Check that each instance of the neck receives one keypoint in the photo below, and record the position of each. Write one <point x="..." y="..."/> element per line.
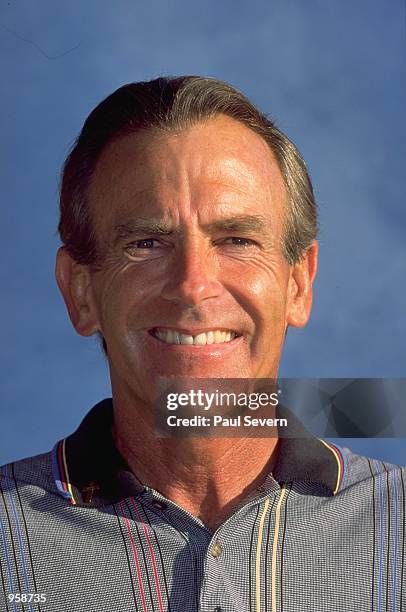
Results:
<point x="206" y="476"/>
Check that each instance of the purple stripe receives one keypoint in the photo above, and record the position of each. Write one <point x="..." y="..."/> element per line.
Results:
<point x="20" y="540"/>
<point x="379" y="479"/>
<point x="10" y="576"/>
<point x="395" y="548"/>
<point x="57" y="474"/>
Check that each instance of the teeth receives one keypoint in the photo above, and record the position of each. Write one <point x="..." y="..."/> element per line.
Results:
<point x="212" y="337"/>
<point x="218" y="337"/>
<point x="200" y="339"/>
<point x="184" y="339"/>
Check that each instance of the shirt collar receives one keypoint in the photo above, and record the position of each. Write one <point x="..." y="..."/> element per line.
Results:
<point x="88" y="469"/>
<point x="302" y="457"/>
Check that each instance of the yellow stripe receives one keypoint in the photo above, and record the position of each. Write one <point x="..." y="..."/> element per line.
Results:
<point x="330" y="448"/>
<point x="258" y="557"/>
<point x="65" y="465"/>
<point x="275" y="547"/>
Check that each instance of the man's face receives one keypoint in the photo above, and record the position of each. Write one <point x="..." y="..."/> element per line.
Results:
<point x="189" y="227"/>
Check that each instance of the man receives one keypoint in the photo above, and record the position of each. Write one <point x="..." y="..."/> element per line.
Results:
<point x="188" y="226"/>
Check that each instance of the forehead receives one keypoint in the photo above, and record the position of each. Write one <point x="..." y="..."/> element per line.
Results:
<point x="216" y="163"/>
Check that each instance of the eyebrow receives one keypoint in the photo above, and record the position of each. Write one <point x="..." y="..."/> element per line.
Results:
<point x="158" y="227"/>
<point x="241" y="223"/>
<point x="142" y="226"/>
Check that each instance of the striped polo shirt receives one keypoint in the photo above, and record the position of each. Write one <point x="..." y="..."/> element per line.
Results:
<point x="80" y="533"/>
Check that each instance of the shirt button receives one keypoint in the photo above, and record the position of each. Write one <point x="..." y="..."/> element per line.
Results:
<point x="158" y="504"/>
<point x="216" y="549"/>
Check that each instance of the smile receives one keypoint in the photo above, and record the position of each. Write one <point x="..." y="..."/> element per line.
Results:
<point x="173" y="336"/>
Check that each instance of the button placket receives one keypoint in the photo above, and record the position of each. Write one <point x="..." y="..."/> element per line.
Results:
<point x="216" y="549"/>
<point x="158" y="505"/>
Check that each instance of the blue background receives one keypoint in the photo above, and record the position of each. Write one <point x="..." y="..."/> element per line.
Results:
<point x="332" y="75"/>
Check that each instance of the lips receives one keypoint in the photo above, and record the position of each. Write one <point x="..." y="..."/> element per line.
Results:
<point x="210" y="336"/>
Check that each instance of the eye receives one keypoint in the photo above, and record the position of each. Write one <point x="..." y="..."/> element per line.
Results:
<point x="241" y="242"/>
<point x="145" y="248"/>
<point x="145" y="243"/>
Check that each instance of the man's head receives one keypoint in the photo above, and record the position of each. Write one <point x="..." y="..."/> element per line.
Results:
<point x="185" y="210"/>
<point x="168" y="105"/>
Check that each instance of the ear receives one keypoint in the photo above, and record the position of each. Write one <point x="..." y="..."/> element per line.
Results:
<point x="300" y="293"/>
<point x="74" y="282"/>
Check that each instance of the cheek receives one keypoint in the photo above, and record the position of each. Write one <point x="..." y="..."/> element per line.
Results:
<point x="122" y="295"/>
<point x="262" y="290"/>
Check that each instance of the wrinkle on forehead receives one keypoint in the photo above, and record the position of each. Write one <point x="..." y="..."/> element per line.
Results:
<point x="220" y="157"/>
<point x="227" y="152"/>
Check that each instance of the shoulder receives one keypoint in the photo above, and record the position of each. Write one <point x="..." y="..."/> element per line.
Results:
<point x="366" y="472"/>
<point x="31" y="474"/>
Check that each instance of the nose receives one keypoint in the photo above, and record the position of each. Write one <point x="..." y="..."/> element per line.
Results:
<point x="193" y="277"/>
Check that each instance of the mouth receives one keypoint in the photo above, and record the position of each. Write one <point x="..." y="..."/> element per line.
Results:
<point x="202" y="338"/>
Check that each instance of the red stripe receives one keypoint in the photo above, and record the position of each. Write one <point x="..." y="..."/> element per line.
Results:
<point x="341" y="460"/>
<point x="61" y="467"/>
<point x="137" y="565"/>
<point x="161" y="608"/>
